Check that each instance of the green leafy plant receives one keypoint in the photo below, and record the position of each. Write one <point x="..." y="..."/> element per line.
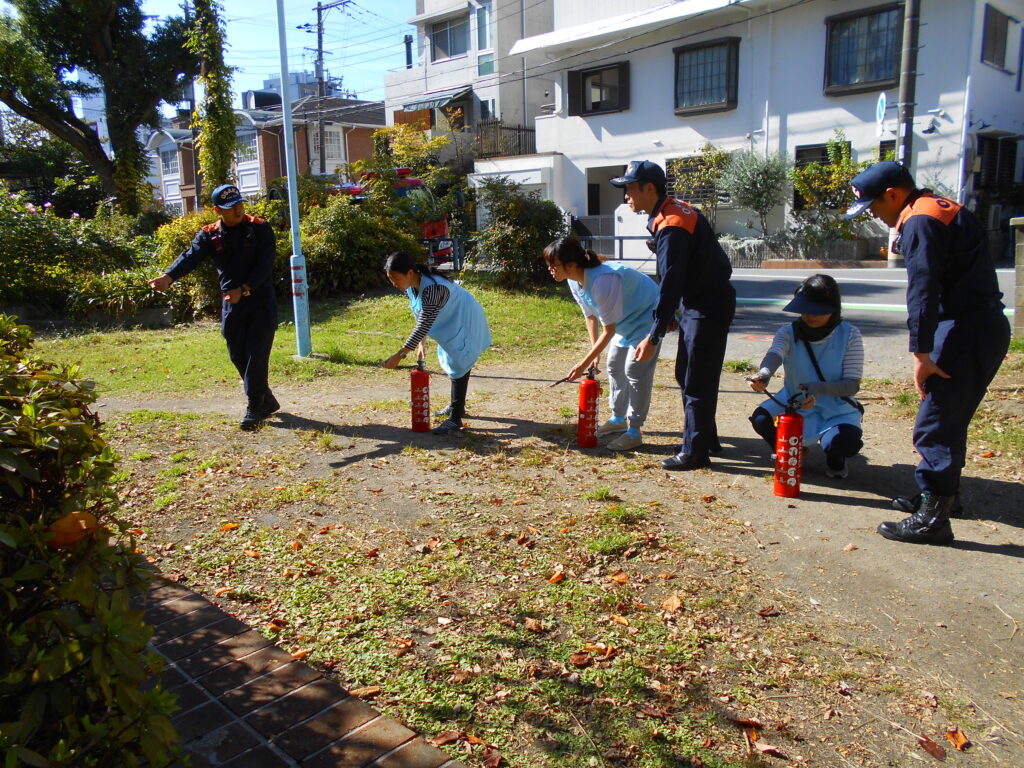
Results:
<point x="757" y="183"/>
<point x="699" y="179"/>
<point x="520" y="224"/>
<point x="825" y="190"/>
<point x="72" y="649"/>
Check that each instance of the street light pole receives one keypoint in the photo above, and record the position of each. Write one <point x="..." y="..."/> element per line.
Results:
<point x="908" y="81"/>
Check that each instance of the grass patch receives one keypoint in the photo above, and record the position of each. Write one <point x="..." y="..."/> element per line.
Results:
<point x="738" y="366"/>
<point x="141" y="456"/>
<point x="624" y="515"/>
<point x="601" y="493"/>
<point x="610" y="544"/>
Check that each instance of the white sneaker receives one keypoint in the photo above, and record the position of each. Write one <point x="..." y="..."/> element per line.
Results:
<point x="625" y="443"/>
<point x="611" y="427"/>
<point x="837" y="474"/>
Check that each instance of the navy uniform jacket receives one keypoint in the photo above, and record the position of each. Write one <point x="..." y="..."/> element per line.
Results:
<point x="694" y="269"/>
<point x="950" y="274"/>
<point x="243" y="254"/>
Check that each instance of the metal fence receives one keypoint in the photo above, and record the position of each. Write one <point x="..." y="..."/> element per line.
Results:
<point x="495" y="139"/>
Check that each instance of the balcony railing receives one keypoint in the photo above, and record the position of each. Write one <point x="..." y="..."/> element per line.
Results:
<point x="494" y="139"/>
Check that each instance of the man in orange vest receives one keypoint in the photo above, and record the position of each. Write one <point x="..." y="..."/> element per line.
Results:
<point x="958" y="335"/>
<point x="695" y="276"/>
<point x="243" y="250"/>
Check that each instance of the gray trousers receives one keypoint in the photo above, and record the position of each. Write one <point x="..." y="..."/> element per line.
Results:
<point x="630" y="384"/>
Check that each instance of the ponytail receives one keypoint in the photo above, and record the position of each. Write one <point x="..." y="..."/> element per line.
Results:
<point x="567" y="250"/>
<point x="400" y="261"/>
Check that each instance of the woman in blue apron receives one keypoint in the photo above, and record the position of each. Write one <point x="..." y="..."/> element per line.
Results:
<point x="448" y="314"/>
<point x="621" y="300"/>
<point x="824" y="357"/>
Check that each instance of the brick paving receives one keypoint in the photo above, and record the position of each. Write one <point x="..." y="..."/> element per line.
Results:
<point x="245" y="703"/>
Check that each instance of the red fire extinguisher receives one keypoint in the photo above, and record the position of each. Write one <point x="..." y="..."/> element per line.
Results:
<point x="419" y="381"/>
<point x="586" y="428"/>
<point x="789" y="450"/>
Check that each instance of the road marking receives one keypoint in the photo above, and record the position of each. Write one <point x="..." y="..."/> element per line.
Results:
<point x="846" y="305"/>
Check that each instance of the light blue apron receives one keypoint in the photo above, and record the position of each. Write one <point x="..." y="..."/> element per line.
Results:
<point x="639" y="298"/>
<point x="827" y="411"/>
<point x="460" y="329"/>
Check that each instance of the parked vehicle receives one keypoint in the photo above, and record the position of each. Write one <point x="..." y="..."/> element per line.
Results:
<point x="436" y="234"/>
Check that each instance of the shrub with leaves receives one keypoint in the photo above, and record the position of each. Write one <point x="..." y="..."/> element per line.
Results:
<point x="72" y="649"/>
<point x="520" y="224"/>
<point x="825" y="189"/>
<point x="699" y="179"/>
<point x="345" y="242"/>
<point x="756" y="183"/>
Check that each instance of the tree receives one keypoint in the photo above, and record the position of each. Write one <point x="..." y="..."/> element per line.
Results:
<point x="215" y="118"/>
<point x="49" y="40"/>
<point x="698" y="179"/>
<point x="757" y="183"/>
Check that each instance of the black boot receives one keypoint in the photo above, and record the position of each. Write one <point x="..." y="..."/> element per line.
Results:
<point x="268" y="405"/>
<point x="929" y="525"/>
<point x="253" y="415"/>
<point x="910" y="505"/>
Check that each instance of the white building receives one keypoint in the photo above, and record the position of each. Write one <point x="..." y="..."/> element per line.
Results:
<point x="646" y="79"/>
<point x="462" y="62"/>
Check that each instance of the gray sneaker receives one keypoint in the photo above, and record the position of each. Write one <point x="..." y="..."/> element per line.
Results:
<point x="611" y="427"/>
<point x="625" y="442"/>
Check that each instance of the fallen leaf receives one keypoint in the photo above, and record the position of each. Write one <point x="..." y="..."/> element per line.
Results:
<point x="708" y="499"/>
<point x="492" y="758"/>
<point x="325" y="529"/>
<point x="933" y="749"/>
<point x="223" y="591"/>
<point x="444" y="621"/>
<point x="474" y="740"/>
<point x="768" y="749"/>
<point x="446" y="493"/>
<point x="672" y="603"/>
<point x="375" y="490"/>
<point x="296" y="545"/>
<point x="300" y="654"/>
<point x="581" y="659"/>
<point x="850" y="548"/>
<point x="372" y="553"/>
<point x="666" y="576"/>
<point x="278" y="624"/>
<point x="533" y="625"/>
<point x="445" y="738"/>
<point x="251" y="553"/>
<point x="366" y="692"/>
<point x="230" y="526"/>
<point x="987" y="455"/>
<point x="518" y="502"/>
<point x="957" y="738"/>
<point x="619" y="619"/>
<point x="844" y="689"/>
<point x="533" y="530"/>
<point x="620" y="576"/>
<point x="497" y="502"/>
<point x="768" y="612"/>
<point x="556" y="577"/>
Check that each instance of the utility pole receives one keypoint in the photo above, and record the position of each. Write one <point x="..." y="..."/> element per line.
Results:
<point x="321" y="90"/>
<point x="908" y="81"/>
<point x="197" y="183"/>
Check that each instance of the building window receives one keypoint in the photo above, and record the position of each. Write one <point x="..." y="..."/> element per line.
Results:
<point x="862" y="51"/>
<point x="449" y="38"/>
<point x="887" y="150"/>
<point x="487" y="111"/>
<point x="483" y="27"/>
<point x="706" y="76"/>
<point x="596" y="91"/>
<point x="332" y="142"/>
<point x="805" y="155"/>
<point x="175" y="208"/>
<point x="994" y="37"/>
<point x="245" y="151"/>
<point x="998" y="163"/>
<point x="485" y="64"/>
<point x="169" y="161"/>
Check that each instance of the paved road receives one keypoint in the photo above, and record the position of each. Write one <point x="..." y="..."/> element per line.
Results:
<point x="873" y="299"/>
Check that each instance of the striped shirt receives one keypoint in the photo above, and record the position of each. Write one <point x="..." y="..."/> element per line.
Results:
<point x="853" y="359"/>
<point x="435" y="296"/>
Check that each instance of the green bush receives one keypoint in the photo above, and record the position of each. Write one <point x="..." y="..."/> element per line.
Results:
<point x="825" y="189"/>
<point x="520" y="225"/>
<point x="345" y="242"/>
<point x="72" y="649"/>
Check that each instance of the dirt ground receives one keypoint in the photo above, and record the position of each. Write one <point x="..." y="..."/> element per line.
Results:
<point x="948" y="617"/>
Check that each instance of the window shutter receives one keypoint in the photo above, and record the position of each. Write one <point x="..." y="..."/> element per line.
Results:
<point x="575" y="94"/>
<point x="624" y="85"/>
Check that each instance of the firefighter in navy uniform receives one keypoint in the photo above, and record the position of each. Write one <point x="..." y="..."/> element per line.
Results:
<point x="958" y="336"/>
<point x="695" y="276"/>
<point x="243" y="250"/>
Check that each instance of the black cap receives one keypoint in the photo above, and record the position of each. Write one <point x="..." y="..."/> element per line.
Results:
<point x="227" y="196"/>
<point x="871" y="183"/>
<point x="643" y="171"/>
<point x="817" y="295"/>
